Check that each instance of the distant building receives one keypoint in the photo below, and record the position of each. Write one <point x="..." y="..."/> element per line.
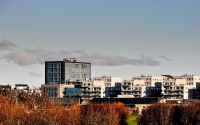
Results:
<point x="21" y="87"/>
<point x="195" y="92"/>
<point x="166" y="86"/>
<point x="176" y="87"/>
<point x="101" y="87"/>
<point x="135" y="87"/>
<point x="75" y="91"/>
<point x="113" y="91"/>
<point x="58" y="72"/>
<point x="155" y="91"/>
<point x="93" y="89"/>
<point x="69" y="89"/>
<point x="108" y="80"/>
<point x="147" y="80"/>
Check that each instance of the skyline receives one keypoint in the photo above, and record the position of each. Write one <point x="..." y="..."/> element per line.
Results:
<point x="119" y="38"/>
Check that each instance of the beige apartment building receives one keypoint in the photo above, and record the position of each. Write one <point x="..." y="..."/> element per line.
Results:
<point x="108" y="80"/>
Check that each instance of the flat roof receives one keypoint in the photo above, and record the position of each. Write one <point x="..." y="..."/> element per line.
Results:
<point x="66" y="62"/>
<point x="169" y="76"/>
<point x="147" y="100"/>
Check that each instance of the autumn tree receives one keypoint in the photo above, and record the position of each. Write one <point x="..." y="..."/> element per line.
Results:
<point x="159" y="113"/>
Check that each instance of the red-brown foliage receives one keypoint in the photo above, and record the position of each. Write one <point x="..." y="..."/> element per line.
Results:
<point x="27" y="109"/>
<point x="168" y="114"/>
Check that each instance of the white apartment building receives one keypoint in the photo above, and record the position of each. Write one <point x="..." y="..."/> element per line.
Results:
<point x="139" y="91"/>
<point x="127" y="87"/>
<point x="177" y="87"/>
<point x="108" y="80"/>
<point x="155" y="80"/>
<point x="148" y="80"/>
<point x="135" y="87"/>
<point x="93" y="89"/>
<point x="191" y="80"/>
<point x="170" y="87"/>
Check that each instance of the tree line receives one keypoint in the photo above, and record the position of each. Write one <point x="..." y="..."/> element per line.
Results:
<point x="25" y="109"/>
<point x="171" y="114"/>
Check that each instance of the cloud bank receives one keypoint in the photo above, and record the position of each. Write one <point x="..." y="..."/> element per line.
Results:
<point x="5" y="44"/>
<point x="34" y="56"/>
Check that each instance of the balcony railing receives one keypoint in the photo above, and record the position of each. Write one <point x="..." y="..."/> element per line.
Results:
<point x="166" y="85"/>
<point x="96" y="90"/>
<point x="136" y="93"/>
<point x="178" y="90"/>
<point x="84" y="86"/>
<point x="86" y="90"/>
<point x="136" y="90"/>
<point x="128" y="90"/>
<point x="126" y="85"/>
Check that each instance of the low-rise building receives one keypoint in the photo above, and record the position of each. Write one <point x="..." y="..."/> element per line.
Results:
<point x="69" y="89"/>
<point x="21" y="87"/>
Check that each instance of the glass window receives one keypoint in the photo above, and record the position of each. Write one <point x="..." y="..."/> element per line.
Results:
<point x="49" y="65"/>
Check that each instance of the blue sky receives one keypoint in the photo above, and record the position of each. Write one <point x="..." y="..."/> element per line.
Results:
<point x="120" y="38"/>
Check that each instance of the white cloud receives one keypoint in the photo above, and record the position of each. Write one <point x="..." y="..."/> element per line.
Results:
<point x="33" y="56"/>
<point x="21" y="58"/>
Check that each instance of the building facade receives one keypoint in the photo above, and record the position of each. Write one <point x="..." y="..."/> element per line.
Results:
<point x="108" y="80"/>
<point x="69" y="89"/>
<point x="58" y="72"/>
<point x="135" y="88"/>
<point x="111" y="92"/>
<point x="166" y="86"/>
<point x="93" y="89"/>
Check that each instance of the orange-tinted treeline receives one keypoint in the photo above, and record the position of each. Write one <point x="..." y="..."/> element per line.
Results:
<point x="25" y="109"/>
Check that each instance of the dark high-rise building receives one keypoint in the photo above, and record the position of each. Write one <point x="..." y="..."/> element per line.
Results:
<point x="58" y="72"/>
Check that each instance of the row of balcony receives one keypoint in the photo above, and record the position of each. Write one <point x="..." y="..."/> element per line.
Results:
<point x="91" y="96"/>
<point x="131" y="93"/>
<point x="129" y="90"/>
<point x="91" y="90"/>
<point x="173" y="93"/>
<point x="176" y="90"/>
